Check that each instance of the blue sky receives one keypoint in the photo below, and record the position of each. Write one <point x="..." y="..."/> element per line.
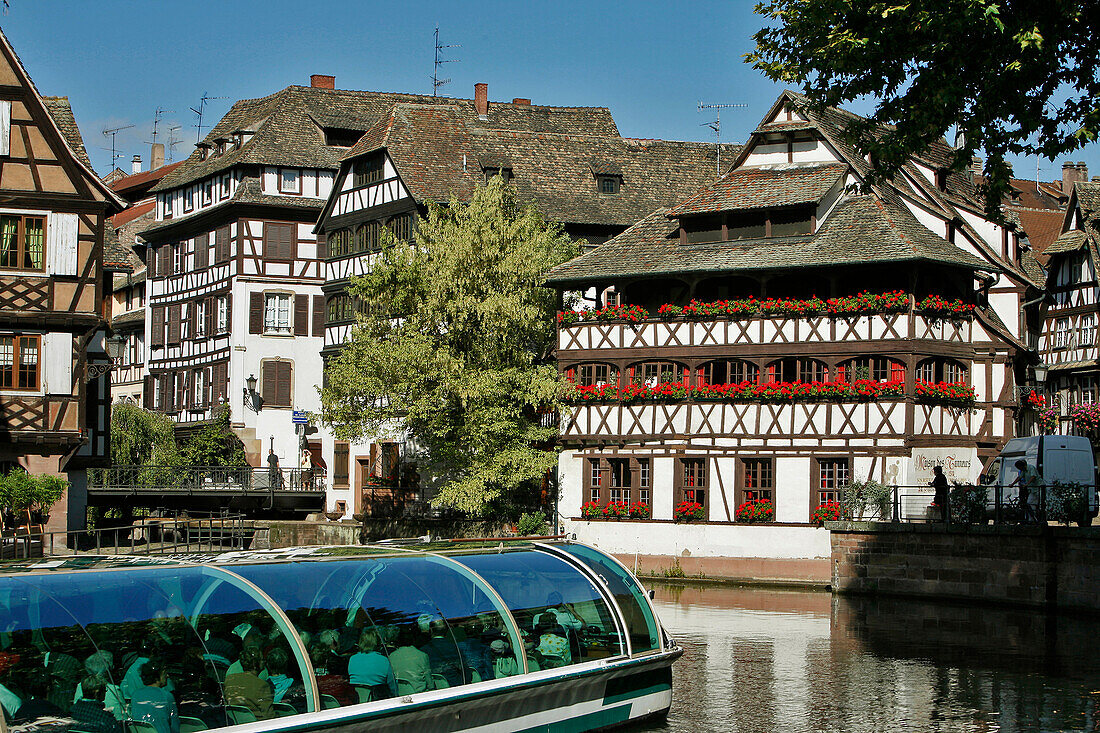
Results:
<point x="651" y="63"/>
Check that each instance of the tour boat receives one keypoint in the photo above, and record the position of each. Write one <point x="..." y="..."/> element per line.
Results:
<point x="488" y="636"/>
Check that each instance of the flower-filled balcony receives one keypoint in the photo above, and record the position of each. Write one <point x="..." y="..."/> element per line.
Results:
<point x="863" y="317"/>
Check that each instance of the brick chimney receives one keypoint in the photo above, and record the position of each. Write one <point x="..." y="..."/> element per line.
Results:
<point x="135" y="165"/>
<point x="1069" y="175"/>
<point x="1082" y="171"/>
<point x="156" y="157"/>
<point x="520" y="101"/>
<point x="322" y="81"/>
<point x="481" y="99"/>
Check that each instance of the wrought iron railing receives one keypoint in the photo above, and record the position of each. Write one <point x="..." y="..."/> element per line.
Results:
<point x="989" y="504"/>
<point x="196" y="479"/>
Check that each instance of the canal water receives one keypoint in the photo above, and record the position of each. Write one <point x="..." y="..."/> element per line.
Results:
<point x="763" y="660"/>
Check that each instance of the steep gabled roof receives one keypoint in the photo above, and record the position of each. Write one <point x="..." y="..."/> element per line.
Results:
<point x="287" y="128"/>
<point x="441" y="152"/>
<point x="758" y="188"/>
<point x="860" y="230"/>
<point x="62" y="114"/>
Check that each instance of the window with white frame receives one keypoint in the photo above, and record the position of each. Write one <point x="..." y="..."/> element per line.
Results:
<point x="1089" y="391"/>
<point x="1086" y="330"/>
<point x="188" y="200"/>
<point x="224" y="193"/>
<point x="167" y="206"/>
<point x="207" y="192"/>
<point x="620" y="479"/>
<point x="199" y="317"/>
<point x="288" y="180"/>
<point x="1061" y="333"/>
<point x="597" y="478"/>
<point x="832" y="477"/>
<point x="645" y="480"/>
<point x="276" y="313"/>
<point x="223" y="314"/>
<point x="199" y="382"/>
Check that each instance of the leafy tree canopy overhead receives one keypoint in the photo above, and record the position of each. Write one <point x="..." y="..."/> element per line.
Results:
<point x="1013" y="77"/>
<point x="465" y="370"/>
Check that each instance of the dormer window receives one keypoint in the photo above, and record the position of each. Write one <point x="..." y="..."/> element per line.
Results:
<point x="503" y="171"/>
<point x="369" y="170"/>
<point x="288" y="181"/>
<point x="941" y="180"/>
<point x="238" y="140"/>
<point x="204" y="150"/>
<point x="220" y="143"/>
<point x="341" y="137"/>
<point x="608" y="184"/>
<point x="753" y="224"/>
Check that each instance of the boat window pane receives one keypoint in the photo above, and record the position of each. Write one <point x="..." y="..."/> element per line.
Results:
<point x="640" y="621"/>
<point x="560" y="612"/>
<point x="394" y="625"/>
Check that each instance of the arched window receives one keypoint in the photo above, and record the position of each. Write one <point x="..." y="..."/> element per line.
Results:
<point x="874" y="368"/>
<point x="653" y="372"/>
<point x="939" y="369"/>
<point x="372" y="241"/>
<point x="796" y="369"/>
<point x="340" y="308"/>
<point x="361" y="238"/>
<point x="728" y="371"/>
<point x="587" y="375"/>
<point x="339" y="243"/>
<point x="400" y="226"/>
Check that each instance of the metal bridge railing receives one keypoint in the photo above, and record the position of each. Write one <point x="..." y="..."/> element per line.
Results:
<point x="990" y="504"/>
<point x="205" y="478"/>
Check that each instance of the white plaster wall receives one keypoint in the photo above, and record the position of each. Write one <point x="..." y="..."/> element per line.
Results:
<point x="723" y="489"/>
<point x="792" y="494"/>
<point x="1007" y="306"/>
<point x="663" y="468"/>
<point x="703" y="540"/>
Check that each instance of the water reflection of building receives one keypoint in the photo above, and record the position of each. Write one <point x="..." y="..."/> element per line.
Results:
<point x="766" y="661"/>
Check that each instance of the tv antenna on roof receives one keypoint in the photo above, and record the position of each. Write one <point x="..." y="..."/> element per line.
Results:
<point x="161" y="111"/>
<point x="202" y="108"/>
<point x="717" y="127"/>
<point x="438" y="83"/>
<point x="173" y="141"/>
<point x="112" y="133"/>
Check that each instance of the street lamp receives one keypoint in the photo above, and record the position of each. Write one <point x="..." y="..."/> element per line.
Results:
<point x="252" y="400"/>
<point x="1041" y="370"/>
<point x="115" y="345"/>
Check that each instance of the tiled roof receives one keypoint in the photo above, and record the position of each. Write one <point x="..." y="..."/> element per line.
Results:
<point x="126" y="184"/>
<point x="133" y="318"/>
<point x="130" y="213"/>
<point x="1042" y="227"/>
<point x="62" y="114"/>
<point x="439" y="151"/>
<point x="116" y="255"/>
<point x="861" y="229"/>
<point x="125" y="280"/>
<point x="288" y="126"/>
<point x="757" y="188"/>
<point x="1071" y="241"/>
<point x="1088" y="196"/>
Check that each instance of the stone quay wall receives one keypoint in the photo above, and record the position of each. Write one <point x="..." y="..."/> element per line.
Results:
<point x="1051" y="567"/>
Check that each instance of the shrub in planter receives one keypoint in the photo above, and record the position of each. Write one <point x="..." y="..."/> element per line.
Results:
<point x="616" y="510"/>
<point x="755" y="510"/>
<point x="830" y="511"/>
<point x="531" y="523"/>
<point x="1067" y="502"/>
<point x="640" y="510"/>
<point x="866" y="500"/>
<point x="591" y="510"/>
<point x="689" y="511"/>
<point x="968" y="504"/>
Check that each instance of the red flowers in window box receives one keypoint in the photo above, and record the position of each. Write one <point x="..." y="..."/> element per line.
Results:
<point x="591" y="510"/>
<point x="616" y="510"/>
<point x="936" y="306"/>
<point x="830" y="511"/>
<point x="628" y="313"/>
<point x="689" y="511"/>
<point x="958" y="394"/>
<point x="755" y="510"/>
<point x="640" y="510"/>
<point x="867" y="303"/>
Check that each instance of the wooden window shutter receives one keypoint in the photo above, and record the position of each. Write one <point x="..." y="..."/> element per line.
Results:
<point x="5" y="127"/>
<point x="288" y="244"/>
<point x="61" y="244"/>
<point x="151" y="263"/>
<point x="211" y="315"/>
<point x="174" y="316"/>
<point x="267" y="379"/>
<point x="164" y="260"/>
<point x="282" y="383"/>
<point x="157" y="335"/>
<point x="147" y="391"/>
<point x="322" y="247"/>
<point x="167" y="393"/>
<point x="255" y="312"/>
<point x="221" y="245"/>
<point x="301" y="315"/>
<point x="208" y="385"/>
<point x="202" y="251"/>
<point x="318" y="315"/>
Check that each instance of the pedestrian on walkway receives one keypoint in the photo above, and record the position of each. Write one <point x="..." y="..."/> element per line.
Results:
<point x="942" y="498"/>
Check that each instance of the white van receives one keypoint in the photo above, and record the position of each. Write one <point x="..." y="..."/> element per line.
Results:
<point x="1063" y="458"/>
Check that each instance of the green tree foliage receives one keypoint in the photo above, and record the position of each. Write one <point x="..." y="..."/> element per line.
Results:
<point x="20" y="490"/>
<point x="141" y="437"/>
<point x="215" y="444"/>
<point x="1013" y="77"/>
<point x="465" y="369"/>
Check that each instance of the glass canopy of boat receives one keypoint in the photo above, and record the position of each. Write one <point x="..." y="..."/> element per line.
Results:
<point x="192" y="643"/>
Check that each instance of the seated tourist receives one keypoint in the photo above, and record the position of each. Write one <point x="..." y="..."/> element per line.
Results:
<point x="329" y="683"/>
<point x="335" y="663"/>
<point x="247" y="688"/>
<point x="504" y="662"/>
<point x="475" y="652"/>
<point x="561" y="613"/>
<point x="132" y="680"/>
<point x="409" y="663"/>
<point x="153" y="703"/>
<point x="370" y="668"/>
<point x="10" y="699"/>
<point x="89" y="712"/>
<point x="443" y="655"/>
<point x="276" y="666"/>
<point x="65" y="673"/>
<point x="553" y="647"/>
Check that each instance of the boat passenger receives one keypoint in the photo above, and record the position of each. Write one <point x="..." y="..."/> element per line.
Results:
<point x="553" y="648"/>
<point x="247" y="688"/>
<point x="409" y="663"/>
<point x="327" y="682"/>
<point x="276" y="665"/>
<point x="504" y="662"/>
<point x="153" y="703"/>
<point x="35" y="704"/>
<point x="443" y="655"/>
<point x="99" y="665"/>
<point x="370" y="668"/>
<point x="335" y="663"/>
<point x="132" y="680"/>
<point x="89" y="711"/>
<point x="475" y="652"/>
<point x="9" y="699"/>
<point x="65" y="673"/>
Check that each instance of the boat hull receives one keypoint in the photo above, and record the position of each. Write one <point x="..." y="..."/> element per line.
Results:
<point x="578" y="699"/>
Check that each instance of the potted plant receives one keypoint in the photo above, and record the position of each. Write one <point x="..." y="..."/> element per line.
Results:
<point x="829" y="511"/>
<point x="689" y="511"/>
<point x="755" y="510"/>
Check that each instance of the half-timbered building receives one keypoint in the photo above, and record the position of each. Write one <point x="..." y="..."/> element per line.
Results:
<point x="569" y="162"/>
<point x="737" y="360"/>
<point x="54" y="280"/>
<point x="1071" y="309"/>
